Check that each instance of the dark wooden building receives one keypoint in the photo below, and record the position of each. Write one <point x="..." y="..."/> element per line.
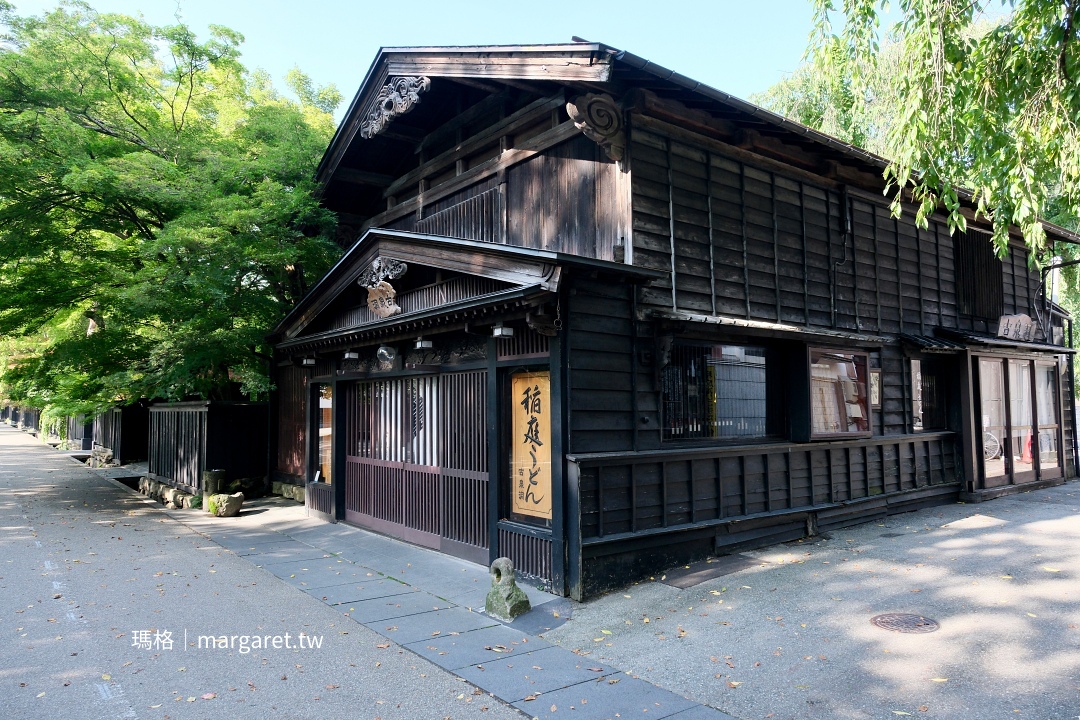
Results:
<point x="602" y="319"/>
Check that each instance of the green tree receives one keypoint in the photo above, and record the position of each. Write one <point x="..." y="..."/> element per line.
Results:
<point x="828" y="101"/>
<point x="990" y="107"/>
<point x="157" y="209"/>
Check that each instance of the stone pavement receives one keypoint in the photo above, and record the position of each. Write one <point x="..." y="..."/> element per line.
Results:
<point x="403" y="630"/>
<point x="779" y="633"/>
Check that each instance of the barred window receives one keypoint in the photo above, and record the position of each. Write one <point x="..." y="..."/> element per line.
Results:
<point x="979" y="285"/>
<point x="715" y="391"/>
<point x="927" y="396"/>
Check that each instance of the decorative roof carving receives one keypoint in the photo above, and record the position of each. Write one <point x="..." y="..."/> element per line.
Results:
<point x="381" y="269"/>
<point x="381" y="294"/>
<point x="600" y="119"/>
<point x="397" y="97"/>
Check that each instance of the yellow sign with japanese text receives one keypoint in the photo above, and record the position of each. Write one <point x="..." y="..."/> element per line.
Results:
<point x="530" y="460"/>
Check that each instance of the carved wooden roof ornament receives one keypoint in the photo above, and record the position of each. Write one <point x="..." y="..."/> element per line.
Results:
<point x="381" y="269"/>
<point x="381" y="294"/>
<point x="600" y="119"/>
<point x="397" y="97"/>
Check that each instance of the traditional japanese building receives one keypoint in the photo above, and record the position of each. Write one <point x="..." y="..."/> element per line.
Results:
<point x="601" y="319"/>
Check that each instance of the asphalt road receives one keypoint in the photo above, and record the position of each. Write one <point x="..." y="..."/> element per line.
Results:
<point x="87" y="570"/>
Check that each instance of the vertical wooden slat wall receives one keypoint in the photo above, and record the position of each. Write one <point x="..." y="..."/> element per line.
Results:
<point x="416" y="464"/>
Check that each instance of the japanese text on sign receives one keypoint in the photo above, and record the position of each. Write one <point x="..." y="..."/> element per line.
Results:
<point x="530" y="463"/>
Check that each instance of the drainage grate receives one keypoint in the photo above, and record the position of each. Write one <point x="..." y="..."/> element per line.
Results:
<point x="905" y="623"/>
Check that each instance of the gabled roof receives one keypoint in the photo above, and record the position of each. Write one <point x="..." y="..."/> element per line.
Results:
<point x="521" y="268"/>
<point x="581" y="67"/>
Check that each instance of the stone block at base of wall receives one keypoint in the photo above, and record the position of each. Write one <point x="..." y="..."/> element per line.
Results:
<point x="163" y="492"/>
<point x="101" y="457"/>
<point x="288" y="490"/>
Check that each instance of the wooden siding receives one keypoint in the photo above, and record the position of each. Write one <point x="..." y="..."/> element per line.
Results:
<point x="602" y="375"/>
<point x="562" y="200"/>
<point x="748" y="242"/>
<point x="633" y="493"/>
<point x="424" y="298"/>
<point x="291" y="422"/>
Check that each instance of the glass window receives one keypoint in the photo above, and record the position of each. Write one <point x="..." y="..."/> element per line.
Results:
<point x="1046" y="384"/>
<point x="992" y="404"/>
<point x="838" y="398"/>
<point x="927" y="395"/>
<point x="325" y="436"/>
<point x="715" y="391"/>
<point x="1021" y="436"/>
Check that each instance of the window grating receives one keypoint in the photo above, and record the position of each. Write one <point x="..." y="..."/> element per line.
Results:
<point x="715" y="391"/>
<point x="979" y="289"/>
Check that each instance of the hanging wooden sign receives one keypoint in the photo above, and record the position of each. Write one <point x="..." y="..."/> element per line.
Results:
<point x="380" y="298"/>
<point x="1016" y="327"/>
<point x="530" y="462"/>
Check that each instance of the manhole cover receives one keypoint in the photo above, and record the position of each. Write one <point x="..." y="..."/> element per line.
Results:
<point x="905" y="623"/>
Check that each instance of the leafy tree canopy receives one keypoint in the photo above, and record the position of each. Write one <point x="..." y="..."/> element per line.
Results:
<point x="991" y="105"/>
<point x="157" y="209"/>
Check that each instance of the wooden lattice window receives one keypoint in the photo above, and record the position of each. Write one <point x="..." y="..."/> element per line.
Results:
<point x="978" y="276"/>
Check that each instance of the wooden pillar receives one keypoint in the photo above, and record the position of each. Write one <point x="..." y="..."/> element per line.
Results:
<point x="969" y="427"/>
<point x="494" y="437"/>
<point x="560" y="509"/>
<point x="338" y="446"/>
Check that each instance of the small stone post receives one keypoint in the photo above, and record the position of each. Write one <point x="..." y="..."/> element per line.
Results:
<point x="213" y="482"/>
<point x="505" y="600"/>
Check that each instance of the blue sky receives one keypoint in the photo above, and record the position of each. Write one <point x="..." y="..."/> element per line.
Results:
<point x="740" y="47"/>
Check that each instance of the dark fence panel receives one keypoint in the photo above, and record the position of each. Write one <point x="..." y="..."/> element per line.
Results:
<point x="80" y="433"/>
<point x="125" y="431"/>
<point x="187" y="438"/>
<point x="625" y="493"/>
<point x="30" y="419"/>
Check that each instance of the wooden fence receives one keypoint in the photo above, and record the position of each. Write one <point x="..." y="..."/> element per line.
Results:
<point x="124" y="431"/>
<point x="626" y="493"/>
<point x="187" y="438"/>
<point x="80" y="432"/>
